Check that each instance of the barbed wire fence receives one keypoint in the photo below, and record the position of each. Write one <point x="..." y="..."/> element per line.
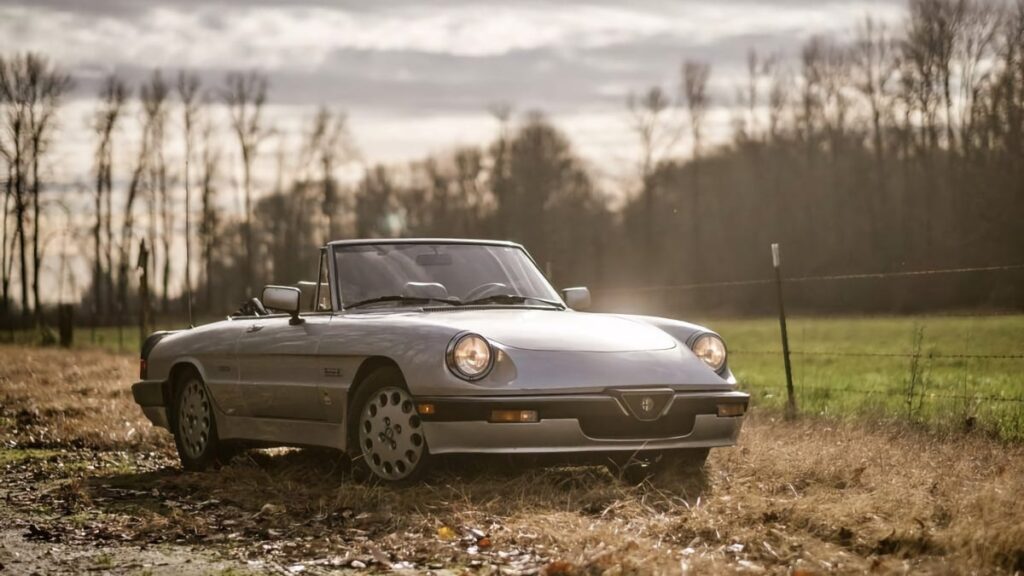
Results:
<point x="912" y="390"/>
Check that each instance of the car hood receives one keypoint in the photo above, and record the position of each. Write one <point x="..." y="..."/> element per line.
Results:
<point x="558" y="331"/>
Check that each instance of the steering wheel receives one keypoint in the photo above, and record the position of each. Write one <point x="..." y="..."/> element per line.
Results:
<point x="483" y="289"/>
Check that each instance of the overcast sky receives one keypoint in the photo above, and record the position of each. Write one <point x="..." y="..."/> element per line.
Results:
<point x="417" y="77"/>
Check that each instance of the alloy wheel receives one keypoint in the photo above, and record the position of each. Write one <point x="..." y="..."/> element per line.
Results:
<point x="194" y="418"/>
<point x="390" y="434"/>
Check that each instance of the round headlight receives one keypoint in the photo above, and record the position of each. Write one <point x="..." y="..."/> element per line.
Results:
<point x="470" y="357"/>
<point x="711" y="350"/>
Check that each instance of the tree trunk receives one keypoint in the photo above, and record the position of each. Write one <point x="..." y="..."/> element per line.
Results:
<point x="98" y="283"/>
<point x="4" y="270"/>
<point x="247" y="225"/>
<point x="36" y="257"/>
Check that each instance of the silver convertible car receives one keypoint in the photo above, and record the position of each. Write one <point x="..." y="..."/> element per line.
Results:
<point x="407" y="349"/>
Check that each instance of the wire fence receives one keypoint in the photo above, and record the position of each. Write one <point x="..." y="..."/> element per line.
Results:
<point x="928" y="355"/>
<point x="899" y="394"/>
<point x="813" y="278"/>
<point x="1001" y="394"/>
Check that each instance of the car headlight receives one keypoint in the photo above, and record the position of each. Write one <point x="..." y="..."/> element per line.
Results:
<point x="710" y="349"/>
<point x="470" y="356"/>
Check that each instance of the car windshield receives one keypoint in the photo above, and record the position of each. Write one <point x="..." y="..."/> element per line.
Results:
<point x="443" y="273"/>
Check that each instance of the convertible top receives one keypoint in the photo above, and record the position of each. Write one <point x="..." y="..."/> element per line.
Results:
<point x="363" y="241"/>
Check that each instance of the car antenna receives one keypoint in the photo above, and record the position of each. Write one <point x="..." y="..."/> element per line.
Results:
<point x="188" y="246"/>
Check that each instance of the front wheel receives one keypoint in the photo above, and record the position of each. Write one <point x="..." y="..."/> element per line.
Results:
<point x="389" y="440"/>
<point x="195" y="429"/>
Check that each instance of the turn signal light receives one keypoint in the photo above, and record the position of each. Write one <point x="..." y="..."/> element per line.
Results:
<point x="729" y="410"/>
<point x="425" y="409"/>
<point x="142" y="368"/>
<point x="511" y="416"/>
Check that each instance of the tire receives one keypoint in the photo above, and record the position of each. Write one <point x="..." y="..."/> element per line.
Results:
<point x="386" y="438"/>
<point x="635" y="468"/>
<point x="195" y="427"/>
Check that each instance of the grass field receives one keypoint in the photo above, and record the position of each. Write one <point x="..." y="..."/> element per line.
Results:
<point x="831" y="377"/>
<point x="837" y="376"/>
<point x="90" y="486"/>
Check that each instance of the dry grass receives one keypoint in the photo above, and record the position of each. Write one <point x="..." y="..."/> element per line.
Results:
<point x="813" y="496"/>
<point x="50" y="397"/>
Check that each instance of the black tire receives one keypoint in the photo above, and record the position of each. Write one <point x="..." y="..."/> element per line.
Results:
<point x="635" y="468"/>
<point x="195" y="427"/>
<point x="385" y="436"/>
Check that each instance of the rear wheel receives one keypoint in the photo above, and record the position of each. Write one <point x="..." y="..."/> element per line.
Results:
<point x="388" y="437"/>
<point x="195" y="428"/>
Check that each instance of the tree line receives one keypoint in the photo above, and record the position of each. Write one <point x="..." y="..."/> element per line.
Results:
<point x="886" y="149"/>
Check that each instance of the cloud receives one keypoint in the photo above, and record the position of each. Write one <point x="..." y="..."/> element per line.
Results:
<point x="419" y="65"/>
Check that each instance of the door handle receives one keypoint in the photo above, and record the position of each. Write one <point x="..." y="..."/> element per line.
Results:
<point x="255" y="328"/>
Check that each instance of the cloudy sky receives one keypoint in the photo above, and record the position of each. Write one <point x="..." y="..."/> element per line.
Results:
<point x="417" y="77"/>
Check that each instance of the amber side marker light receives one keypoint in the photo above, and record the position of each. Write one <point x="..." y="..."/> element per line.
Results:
<point x="425" y="409"/>
<point x="511" y="416"/>
<point x="727" y="410"/>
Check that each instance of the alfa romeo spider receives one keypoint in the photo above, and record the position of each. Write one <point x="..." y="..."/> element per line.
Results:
<point x="403" y="350"/>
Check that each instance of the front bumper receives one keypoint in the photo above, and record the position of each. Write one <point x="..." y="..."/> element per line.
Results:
<point x="583" y="423"/>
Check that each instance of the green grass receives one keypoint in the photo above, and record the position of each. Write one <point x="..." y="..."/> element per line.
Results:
<point x="16" y="455"/>
<point x="948" y="392"/>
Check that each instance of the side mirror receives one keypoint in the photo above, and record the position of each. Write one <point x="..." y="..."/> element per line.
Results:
<point x="577" y="298"/>
<point x="285" y="299"/>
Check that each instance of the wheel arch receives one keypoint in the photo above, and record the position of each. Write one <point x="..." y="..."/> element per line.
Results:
<point x="174" y="378"/>
<point x="368" y="366"/>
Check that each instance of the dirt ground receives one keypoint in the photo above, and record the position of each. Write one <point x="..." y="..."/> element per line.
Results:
<point x="89" y="486"/>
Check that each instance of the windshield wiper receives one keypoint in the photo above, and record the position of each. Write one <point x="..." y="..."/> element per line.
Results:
<point x="511" y="299"/>
<point x="402" y="299"/>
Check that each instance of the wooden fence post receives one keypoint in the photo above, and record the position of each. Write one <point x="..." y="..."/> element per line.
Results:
<point x="790" y="396"/>
<point x="143" y="292"/>
<point x="66" y="324"/>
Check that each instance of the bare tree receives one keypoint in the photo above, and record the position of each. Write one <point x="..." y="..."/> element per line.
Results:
<point x="330" y="144"/>
<point x="48" y="87"/>
<point x="154" y="99"/>
<point x="6" y="256"/>
<point x="874" y="67"/>
<point x="112" y="100"/>
<point x="695" y="93"/>
<point x="245" y="95"/>
<point x="778" y="96"/>
<point x="188" y="91"/>
<point x="152" y="96"/>
<point x="209" y="222"/>
<point x="975" y="56"/>
<point x="652" y="121"/>
<point x="12" y="95"/>
<point x="931" y="40"/>
<point x="32" y="89"/>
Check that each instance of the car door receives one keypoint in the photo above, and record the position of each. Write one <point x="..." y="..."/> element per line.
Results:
<point x="278" y="367"/>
